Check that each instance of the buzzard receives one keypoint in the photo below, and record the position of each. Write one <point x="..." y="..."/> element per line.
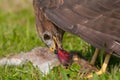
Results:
<point x="95" y="21"/>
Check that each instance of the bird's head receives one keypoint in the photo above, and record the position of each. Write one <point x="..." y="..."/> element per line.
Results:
<point x="50" y="34"/>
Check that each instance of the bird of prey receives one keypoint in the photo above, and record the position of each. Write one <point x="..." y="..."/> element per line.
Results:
<point x="95" y="21"/>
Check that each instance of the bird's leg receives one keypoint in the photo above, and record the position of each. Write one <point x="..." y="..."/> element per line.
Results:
<point x="104" y="66"/>
<point x="92" y="62"/>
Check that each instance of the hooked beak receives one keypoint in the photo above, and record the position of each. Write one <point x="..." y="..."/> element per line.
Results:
<point x="55" y="45"/>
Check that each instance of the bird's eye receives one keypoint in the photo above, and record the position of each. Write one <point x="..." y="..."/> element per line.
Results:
<point x="46" y="37"/>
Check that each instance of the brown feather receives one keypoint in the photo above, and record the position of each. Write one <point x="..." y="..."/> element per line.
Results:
<point x="95" y="21"/>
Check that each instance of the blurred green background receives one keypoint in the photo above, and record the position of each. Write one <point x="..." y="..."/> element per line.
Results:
<point x="18" y="34"/>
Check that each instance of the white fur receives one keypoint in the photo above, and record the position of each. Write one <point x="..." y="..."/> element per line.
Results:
<point x="12" y="61"/>
<point x="41" y="57"/>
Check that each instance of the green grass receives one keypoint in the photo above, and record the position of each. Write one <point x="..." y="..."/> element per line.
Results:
<point x="18" y="34"/>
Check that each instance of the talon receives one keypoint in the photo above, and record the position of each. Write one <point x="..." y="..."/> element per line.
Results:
<point x="103" y="68"/>
<point x="98" y="73"/>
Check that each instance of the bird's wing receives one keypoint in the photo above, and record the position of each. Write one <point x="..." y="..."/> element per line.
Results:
<point x="95" y="21"/>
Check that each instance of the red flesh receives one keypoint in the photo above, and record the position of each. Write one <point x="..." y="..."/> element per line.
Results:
<point x="63" y="56"/>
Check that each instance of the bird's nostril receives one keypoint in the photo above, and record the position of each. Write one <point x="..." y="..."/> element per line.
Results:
<point x="46" y="37"/>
